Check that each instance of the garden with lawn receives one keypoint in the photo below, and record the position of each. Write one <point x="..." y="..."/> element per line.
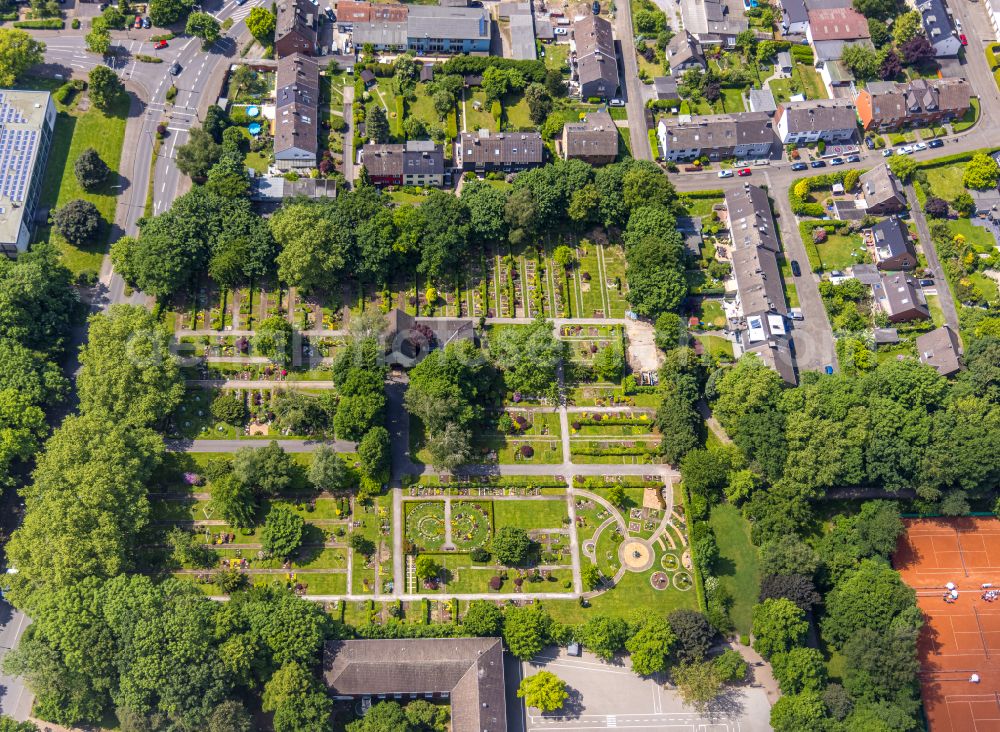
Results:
<point x="81" y="125"/>
<point x="831" y="250"/>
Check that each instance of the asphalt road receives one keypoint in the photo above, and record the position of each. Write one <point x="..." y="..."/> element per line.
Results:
<point x="15" y="699"/>
<point x="632" y="93"/>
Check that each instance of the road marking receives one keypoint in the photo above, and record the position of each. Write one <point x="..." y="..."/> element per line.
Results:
<point x="612" y="720"/>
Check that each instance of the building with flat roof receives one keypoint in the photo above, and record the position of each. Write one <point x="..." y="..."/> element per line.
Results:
<point x="295" y="28"/>
<point x="594" y="139"/>
<point x="27" y="123"/>
<point x="467" y="672"/>
<point x="296" y="114"/>
<point x="424" y="29"/>
<point x="597" y="62"/>
<point x="717" y="136"/>
<point x="762" y="100"/>
<point x="832" y="120"/>
<point x="941" y="349"/>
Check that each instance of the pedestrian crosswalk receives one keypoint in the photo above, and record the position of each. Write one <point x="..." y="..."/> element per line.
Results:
<point x="238" y="13"/>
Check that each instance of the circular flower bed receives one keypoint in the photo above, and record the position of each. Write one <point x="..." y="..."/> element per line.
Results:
<point x="659" y="580"/>
<point x="683" y="581"/>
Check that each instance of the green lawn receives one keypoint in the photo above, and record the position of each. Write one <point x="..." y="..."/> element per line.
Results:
<point x="945" y="181"/>
<point x="557" y="56"/>
<point x="986" y="285"/>
<point x="977" y="237"/>
<point x="837" y="252"/>
<point x="423" y="107"/>
<point x="529" y="514"/>
<point x="738" y="565"/>
<point x="791" y="293"/>
<point x="717" y="346"/>
<point x="781" y="89"/>
<point x="812" y="83"/>
<point x="75" y="132"/>
<point x="481" y="118"/>
<point x="516" y="111"/>
<point x="712" y="314"/>
<point x="970" y="117"/>
<point x="730" y="102"/>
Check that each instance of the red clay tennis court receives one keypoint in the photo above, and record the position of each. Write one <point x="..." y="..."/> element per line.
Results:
<point x="959" y="638"/>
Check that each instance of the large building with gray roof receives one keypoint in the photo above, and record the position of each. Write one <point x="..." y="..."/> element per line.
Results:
<point x="597" y="62"/>
<point x="830" y="120"/>
<point x="27" y="123"/>
<point x="423" y="29"/>
<point x="498" y="152"/>
<point x="717" y="136"/>
<point x="760" y="299"/>
<point x="467" y="672"/>
<point x="711" y="22"/>
<point x="296" y="114"/>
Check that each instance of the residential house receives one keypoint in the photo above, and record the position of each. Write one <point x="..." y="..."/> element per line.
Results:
<point x="498" y="152"/>
<point x="684" y="52"/>
<point x="893" y="245"/>
<point x="760" y="298"/>
<point x="886" y="105"/>
<point x="762" y="100"/>
<point x="295" y="28"/>
<point x="384" y="26"/>
<point x="882" y="191"/>
<point x="987" y="202"/>
<point x="832" y="29"/>
<point x="831" y="120"/>
<point x="939" y="28"/>
<point x="275" y="188"/>
<point x="898" y="297"/>
<point x="717" y="136"/>
<point x="415" y="163"/>
<point x="941" y="349"/>
<point x="27" y="125"/>
<point x="593" y="140"/>
<point x="597" y="62"/>
<point x="467" y="672"/>
<point x="296" y="114"/>
<point x="665" y="88"/>
<point x="794" y="17"/>
<point x="711" y="22"/>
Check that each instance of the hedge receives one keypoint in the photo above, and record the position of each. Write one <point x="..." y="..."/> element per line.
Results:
<point x="162" y="37"/>
<point x="47" y="24"/>
<point x="149" y="59"/>
<point x="801" y="207"/>
<point x="704" y="194"/>
<point x="991" y="56"/>
<point x="803" y="54"/>
<point x="654" y="143"/>
<point x="451" y="128"/>
<point x="956" y="158"/>
<point x="532" y="70"/>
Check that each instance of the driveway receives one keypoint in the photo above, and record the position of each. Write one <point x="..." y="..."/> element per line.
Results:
<point x="604" y="696"/>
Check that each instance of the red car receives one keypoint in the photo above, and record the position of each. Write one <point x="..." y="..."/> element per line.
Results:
<point x="964" y="40"/>
<point x="138" y="22"/>
<point x="160" y="44"/>
<point x="743" y="172"/>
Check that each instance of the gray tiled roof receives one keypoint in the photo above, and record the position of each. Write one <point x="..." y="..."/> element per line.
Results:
<point x="595" y="51"/>
<point x="434" y="21"/>
<point x="469" y="670"/>
<point x="501" y="148"/>
<point x="596" y="135"/>
<point x="825" y="114"/>
<point x="296" y="119"/>
<point x="940" y="349"/>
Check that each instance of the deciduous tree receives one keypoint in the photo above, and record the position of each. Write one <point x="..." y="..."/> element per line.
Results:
<point x="544" y="691"/>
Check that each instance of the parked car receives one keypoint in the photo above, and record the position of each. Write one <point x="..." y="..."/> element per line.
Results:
<point x="817" y="164"/>
<point x="963" y="40"/>
<point x="920" y="146"/>
<point x="935" y="143"/>
<point x="796" y="269"/>
<point x="560" y="31"/>
<point x="175" y="69"/>
<point x="854" y="158"/>
<point x="744" y="172"/>
<point x="927" y="283"/>
<point x="616" y="103"/>
<point x="870" y="142"/>
<point x="887" y="153"/>
<point x="837" y="161"/>
<point x="795" y="314"/>
<point x="725" y="174"/>
<point x="138" y="21"/>
<point x="799" y="166"/>
<point x="147" y="23"/>
<point x="160" y="44"/>
<point x="904" y="150"/>
<point x="595" y="8"/>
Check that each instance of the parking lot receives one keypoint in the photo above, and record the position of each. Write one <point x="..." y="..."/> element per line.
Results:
<point x="604" y="696"/>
